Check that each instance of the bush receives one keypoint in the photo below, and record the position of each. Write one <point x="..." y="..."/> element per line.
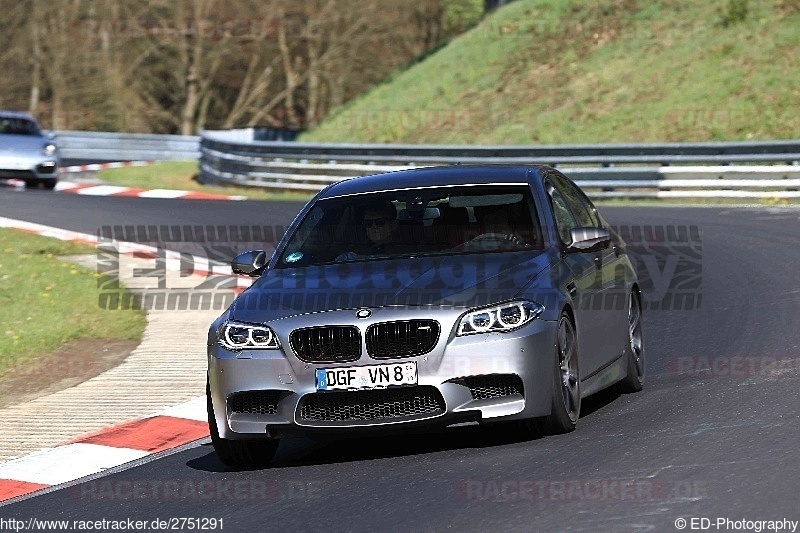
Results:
<point x="734" y="12"/>
<point x="460" y="15"/>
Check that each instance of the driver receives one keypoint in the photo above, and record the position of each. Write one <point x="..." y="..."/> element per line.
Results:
<point x="380" y="224"/>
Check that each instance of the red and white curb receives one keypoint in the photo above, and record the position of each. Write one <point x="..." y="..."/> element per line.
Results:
<point x="100" y="166"/>
<point x="70" y="187"/>
<point x="111" y="447"/>
<point x="120" y="444"/>
<point x="202" y="266"/>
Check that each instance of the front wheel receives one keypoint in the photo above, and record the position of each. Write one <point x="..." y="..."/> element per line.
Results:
<point x="47" y="185"/>
<point x="634" y="347"/>
<point x="566" y="397"/>
<point x="239" y="453"/>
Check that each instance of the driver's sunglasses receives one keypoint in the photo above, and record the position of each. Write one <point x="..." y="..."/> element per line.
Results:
<point x="379" y="222"/>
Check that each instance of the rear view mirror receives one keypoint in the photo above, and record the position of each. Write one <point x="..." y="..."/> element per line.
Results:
<point x="250" y="263"/>
<point x="589" y="239"/>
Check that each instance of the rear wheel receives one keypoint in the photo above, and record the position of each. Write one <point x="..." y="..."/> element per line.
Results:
<point x="566" y="397"/>
<point x="238" y="453"/>
<point x="634" y="347"/>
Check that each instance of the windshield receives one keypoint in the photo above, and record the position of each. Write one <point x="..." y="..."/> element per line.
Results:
<point x="415" y="223"/>
<point x="18" y="126"/>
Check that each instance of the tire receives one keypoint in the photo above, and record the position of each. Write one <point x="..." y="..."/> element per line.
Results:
<point x="634" y="348"/>
<point x="47" y="185"/>
<point x="566" y="398"/>
<point x="239" y="453"/>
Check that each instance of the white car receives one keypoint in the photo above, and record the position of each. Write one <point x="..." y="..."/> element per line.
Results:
<point x="25" y="152"/>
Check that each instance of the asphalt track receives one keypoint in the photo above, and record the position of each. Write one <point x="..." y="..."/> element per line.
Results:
<point x="714" y="433"/>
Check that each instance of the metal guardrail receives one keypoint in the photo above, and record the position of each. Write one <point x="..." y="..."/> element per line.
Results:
<point x="105" y="146"/>
<point x="711" y="169"/>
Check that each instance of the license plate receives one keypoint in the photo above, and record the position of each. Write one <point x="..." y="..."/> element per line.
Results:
<point x="367" y="377"/>
<point x="13" y="164"/>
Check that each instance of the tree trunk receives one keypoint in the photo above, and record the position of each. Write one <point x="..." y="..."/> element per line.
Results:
<point x="36" y="63"/>
<point x="290" y="73"/>
<point x="191" y="91"/>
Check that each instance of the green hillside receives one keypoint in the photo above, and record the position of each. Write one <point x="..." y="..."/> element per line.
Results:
<point x="562" y="71"/>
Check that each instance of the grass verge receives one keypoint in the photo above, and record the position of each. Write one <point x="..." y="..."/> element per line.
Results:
<point x="568" y="71"/>
<point x="48" y="302"/>
<point x="179" y="175"/>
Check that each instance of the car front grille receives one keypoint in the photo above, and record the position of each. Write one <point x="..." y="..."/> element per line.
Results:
<point x="407" y="338"/>
<point x="46" y="168"/>
<point x="256" y="402"/>
<point x="380" y="404"/>
<point x="15" y="174"/>
<point x="326" y="344"/>
<point x="493" y="386"/>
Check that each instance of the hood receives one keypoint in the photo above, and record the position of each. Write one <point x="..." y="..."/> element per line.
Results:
<point x="22" y="144"/>
<point x="454" y="281"/>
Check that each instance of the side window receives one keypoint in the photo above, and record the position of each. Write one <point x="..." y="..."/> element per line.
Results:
<point x="577" y="202"/>
<point x="564" y="219"/>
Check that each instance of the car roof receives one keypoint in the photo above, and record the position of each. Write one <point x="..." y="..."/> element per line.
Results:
<point x="16" y="114"/>
<point x="434" y="177"/>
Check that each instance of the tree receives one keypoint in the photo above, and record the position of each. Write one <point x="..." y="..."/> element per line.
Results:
<point x="179" y="66"/>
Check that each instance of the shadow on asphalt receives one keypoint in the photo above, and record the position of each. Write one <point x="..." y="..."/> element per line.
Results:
<point x="294" y="452"/>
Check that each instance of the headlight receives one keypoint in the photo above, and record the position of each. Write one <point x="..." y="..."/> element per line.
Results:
<point x="500" y="318"/>
<point x="49" y="149"/>
<point x="236" y="336"/>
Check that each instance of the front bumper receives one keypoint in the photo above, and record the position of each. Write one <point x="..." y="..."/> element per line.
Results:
<point x="43" y="169"/>
<point x="463" y="379"/>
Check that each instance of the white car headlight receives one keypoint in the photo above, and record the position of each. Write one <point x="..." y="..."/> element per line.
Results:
<point x="48" y="149"/>
<point x="504" y="317"/>
<point x="237" y="336"/>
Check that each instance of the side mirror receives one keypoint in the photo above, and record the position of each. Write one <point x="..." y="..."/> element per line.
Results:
<point x="250" y="263"/>
<point x="589" y="239"/>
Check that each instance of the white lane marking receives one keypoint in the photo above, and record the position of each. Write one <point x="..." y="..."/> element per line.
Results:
<point x="100" y="166"/>
<point x="65" y="463"/>
<point x="162" y="193"/>
<point x="41" y="229"/>
<point x="66" y="185"/>
<point x="173" y="257"/>
<point x="102" y="190"/>
<point x="194" y="409"/>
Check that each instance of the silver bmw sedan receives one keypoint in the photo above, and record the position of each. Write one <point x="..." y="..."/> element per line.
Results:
<point x="424" y="299"/>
